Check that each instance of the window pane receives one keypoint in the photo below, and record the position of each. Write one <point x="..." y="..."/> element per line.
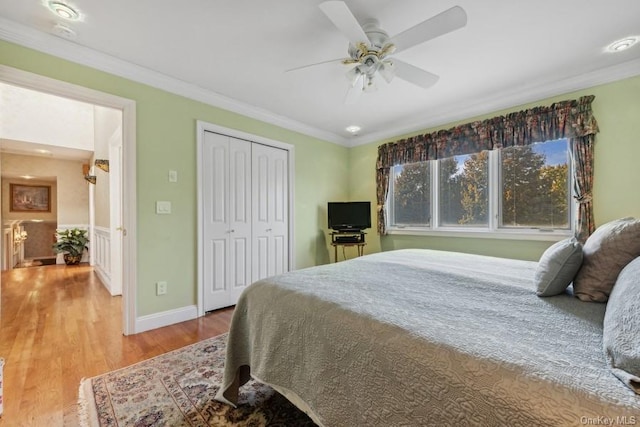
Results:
<point x="535" y="186"/>
<point x="411" y="194"/>
<point x="463" y="190"/>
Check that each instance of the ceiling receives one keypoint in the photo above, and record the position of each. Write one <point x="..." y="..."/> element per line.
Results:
<point x="43" y="150"/>
<point x="234" y="54"/>
<point x="40" y="124"/>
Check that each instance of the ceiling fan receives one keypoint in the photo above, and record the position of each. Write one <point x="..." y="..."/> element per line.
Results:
<point x="370" y="47"/>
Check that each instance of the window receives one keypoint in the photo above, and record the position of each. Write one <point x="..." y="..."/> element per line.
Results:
<point x="535" y="186"/>
<point x="463" y="190"/>
<point x="518" y="189"/>
<point x="411" y="199"/>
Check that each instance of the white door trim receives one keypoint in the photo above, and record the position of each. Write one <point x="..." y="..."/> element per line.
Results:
<point x="115" y="212"/>
<point x="203" y="126"/>
<point x="40" y="83"/>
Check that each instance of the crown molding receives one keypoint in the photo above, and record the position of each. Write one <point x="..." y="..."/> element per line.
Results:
<point x="504" y="100"/>
<point x="65" y="49"/>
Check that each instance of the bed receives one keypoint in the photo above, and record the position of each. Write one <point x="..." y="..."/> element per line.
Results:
<point x="423" y="337"/>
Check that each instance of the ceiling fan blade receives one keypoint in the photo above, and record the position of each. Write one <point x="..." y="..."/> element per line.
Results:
<point x="302" y="67"/>
<point x="443" y="23"/>
<point x="415" y="75"/>
<point x="341" y="16"/>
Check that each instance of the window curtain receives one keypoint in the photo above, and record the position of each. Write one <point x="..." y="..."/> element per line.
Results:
<point x="582" y="164"/>
<point x="572" y="119"/>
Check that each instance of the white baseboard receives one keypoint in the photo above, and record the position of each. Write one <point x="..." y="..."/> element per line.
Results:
<point x="165" y="318"/>
<point x="105" y="279"/>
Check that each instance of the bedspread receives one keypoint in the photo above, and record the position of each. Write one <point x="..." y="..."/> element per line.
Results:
<point x="422" y="337"/>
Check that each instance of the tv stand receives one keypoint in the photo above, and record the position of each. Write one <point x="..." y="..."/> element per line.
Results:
<point x="347" y="238"/>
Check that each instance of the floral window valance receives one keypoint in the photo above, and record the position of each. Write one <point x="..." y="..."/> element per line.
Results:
<point x="566" y="119"/>
<point x="572" y="119"/>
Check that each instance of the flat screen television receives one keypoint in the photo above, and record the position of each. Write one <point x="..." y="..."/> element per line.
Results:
<point x="349" y="216"/>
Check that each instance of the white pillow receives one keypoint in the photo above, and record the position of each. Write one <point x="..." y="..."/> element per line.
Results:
<point x="621" y="327"/>
<point x="557" y="267"/>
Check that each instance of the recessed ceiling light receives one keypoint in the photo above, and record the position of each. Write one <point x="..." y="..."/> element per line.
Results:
<point x="41" y="151"/>
<point x="63" y="10"/>
<point x="353" y="129"/>
<point x="622" y="44"/>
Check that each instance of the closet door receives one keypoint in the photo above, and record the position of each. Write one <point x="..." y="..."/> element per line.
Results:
<point x="227" y="219"/>
<point x="270" y="206"/>
<point x="239" y="217"/>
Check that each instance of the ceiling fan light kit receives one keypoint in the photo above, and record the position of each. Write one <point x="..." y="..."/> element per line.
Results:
<point x="370" y="47"/>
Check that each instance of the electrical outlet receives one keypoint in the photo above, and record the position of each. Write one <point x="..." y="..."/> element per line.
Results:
<point x="161" y="288"/>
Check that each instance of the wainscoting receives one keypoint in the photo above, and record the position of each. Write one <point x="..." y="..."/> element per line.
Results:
<point x="102" y="256"/>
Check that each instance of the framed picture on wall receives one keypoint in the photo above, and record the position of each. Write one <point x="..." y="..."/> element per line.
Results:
<point x="30" y="198"/>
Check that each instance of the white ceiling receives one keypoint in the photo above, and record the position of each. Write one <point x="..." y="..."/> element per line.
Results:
<point x="234" y="54"/>
<point x="27" y="148"/>
<point x="39" y="124"/>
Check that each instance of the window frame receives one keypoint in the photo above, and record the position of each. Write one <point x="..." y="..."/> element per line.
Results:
<point x="493" y="229"/>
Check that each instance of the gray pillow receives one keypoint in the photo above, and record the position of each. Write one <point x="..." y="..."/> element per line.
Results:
<point x="606" y="252"/>
<point x="557" y="267"/>
<point x="621" y="327"/>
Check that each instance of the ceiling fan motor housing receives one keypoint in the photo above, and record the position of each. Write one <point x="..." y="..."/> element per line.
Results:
<point x="378" y="39"/>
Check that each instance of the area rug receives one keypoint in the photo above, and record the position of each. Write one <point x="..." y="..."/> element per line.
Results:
<point x="178" y="389"/>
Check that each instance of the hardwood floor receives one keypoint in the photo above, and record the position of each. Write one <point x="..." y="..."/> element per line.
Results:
<point x="58" y="325"/>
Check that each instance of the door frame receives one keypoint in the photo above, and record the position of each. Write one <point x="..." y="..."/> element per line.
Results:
<point x="203" y="127"/>
<point x="116" y="224"/>
<point x="128" y="255"/>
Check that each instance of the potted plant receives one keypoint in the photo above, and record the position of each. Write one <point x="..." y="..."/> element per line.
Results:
<point x="71" y="243"/>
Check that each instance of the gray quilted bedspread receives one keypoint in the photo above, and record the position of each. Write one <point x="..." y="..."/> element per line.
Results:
<point x="426" y="338"/>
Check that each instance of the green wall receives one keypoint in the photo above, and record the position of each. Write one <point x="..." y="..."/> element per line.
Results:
<point x="166" y="139"/>
<point x="616" y="172"/>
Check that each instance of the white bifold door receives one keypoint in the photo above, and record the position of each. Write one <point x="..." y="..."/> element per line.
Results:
<point x="270" y="208"/>
<point x="245" y="216"/>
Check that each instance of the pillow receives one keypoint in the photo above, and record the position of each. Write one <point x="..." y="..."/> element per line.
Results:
<point x="557" y="267"/>
<point x="606" y="252"/>
<point x="621" y="327"/>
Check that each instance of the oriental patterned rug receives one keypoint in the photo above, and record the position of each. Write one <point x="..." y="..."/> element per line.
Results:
<point x="178" y="389"/>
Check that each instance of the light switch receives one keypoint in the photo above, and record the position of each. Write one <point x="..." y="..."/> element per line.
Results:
<point x="173" y="176"/>
<point x="163" y="207"/>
